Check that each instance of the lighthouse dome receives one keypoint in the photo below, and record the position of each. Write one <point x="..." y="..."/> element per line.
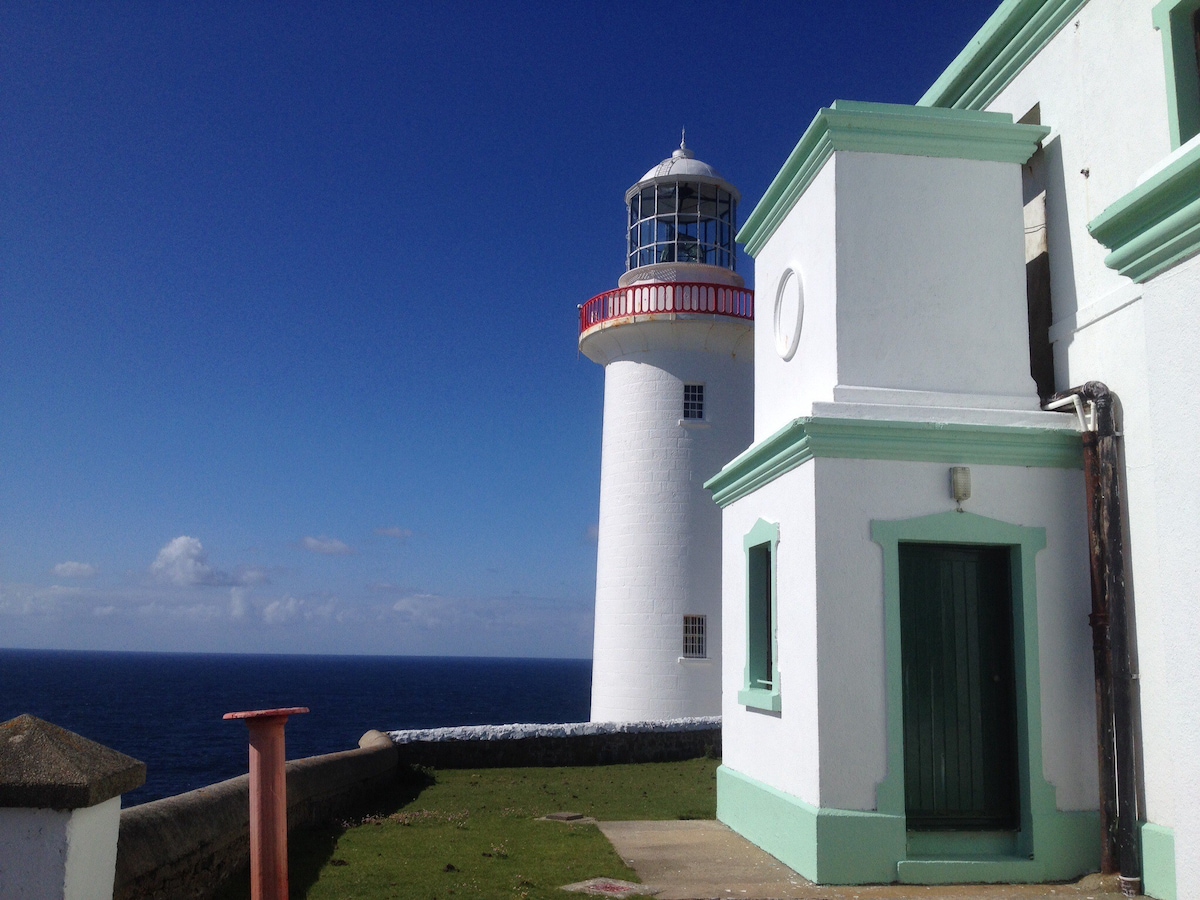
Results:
<point x="681" y="164"/>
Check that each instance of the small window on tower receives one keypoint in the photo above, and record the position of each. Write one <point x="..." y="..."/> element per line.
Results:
<point x="693" y="401"/>
<point x="694" y="645"/>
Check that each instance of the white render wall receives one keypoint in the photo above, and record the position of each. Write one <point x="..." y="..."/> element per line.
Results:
<point x="830" y="622"/>
<point x="806" y="242"/>
<point x="1169" y="660"/>
<point x="914" y="287"/>
<point x="1101" y="88"/>
<point x="931" y="276"/>
<point x="779" y="749"/>
<point x="53" y="854"/>
<point x="658" y="556"/>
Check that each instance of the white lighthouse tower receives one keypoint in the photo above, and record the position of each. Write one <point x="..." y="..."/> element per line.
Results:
<point x="677" y="345"/>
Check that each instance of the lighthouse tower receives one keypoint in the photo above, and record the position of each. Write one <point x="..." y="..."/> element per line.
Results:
<point x="676" y="342"/>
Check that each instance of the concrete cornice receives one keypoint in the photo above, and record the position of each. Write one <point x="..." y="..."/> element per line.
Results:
<point x="1155" y="225"/>
<point x="818" y="437"/>
<point x="886" y="128"/>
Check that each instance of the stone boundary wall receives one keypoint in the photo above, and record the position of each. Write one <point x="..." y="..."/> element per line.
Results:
<point x="575" y="744"/>
<point x="186" y="846"/>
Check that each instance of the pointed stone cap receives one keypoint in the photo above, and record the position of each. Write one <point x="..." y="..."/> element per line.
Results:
<point x="43" y="766"/>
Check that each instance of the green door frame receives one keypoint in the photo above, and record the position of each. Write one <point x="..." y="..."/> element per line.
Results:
<point x="1047" y="836"/>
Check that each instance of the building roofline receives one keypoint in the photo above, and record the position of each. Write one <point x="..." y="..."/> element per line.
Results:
<point x="885" y="128"/>
<point x="1012" y="36"/>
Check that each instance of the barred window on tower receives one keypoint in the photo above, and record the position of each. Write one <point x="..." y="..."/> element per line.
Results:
<point x="693" y="401"/>
<point x="694" y="646"/>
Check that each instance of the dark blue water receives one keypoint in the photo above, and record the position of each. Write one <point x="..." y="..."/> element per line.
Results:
<point x="165" y="708"/>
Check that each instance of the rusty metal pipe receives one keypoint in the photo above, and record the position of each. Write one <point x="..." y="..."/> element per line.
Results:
<point x="1111" y="637"/>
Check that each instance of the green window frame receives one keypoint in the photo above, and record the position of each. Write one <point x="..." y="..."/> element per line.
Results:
<point x="760" y="688"/>
<point x="1174" y="20"/>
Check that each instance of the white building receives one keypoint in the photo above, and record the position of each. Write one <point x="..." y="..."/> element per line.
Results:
<point x="676" y="342"/>
<point x="908" y="690"/>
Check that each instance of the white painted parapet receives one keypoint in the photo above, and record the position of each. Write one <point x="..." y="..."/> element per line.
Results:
<point x="60" y="812"/>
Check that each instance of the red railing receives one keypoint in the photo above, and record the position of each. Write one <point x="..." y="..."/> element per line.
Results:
<point x="668" y="297"/>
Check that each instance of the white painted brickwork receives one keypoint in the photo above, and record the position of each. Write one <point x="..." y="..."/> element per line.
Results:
<point x="659" y="531"/>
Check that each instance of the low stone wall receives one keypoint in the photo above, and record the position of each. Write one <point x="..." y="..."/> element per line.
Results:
<point x="575" y="744"/>
<point x="186" y="846"/>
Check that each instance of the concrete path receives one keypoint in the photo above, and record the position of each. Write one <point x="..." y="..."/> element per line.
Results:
<point x="704" y="860"/>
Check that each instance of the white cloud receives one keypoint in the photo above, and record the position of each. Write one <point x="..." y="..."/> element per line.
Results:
<point x="74" y="570"/>
<point x="237" y="602"/>
<point x="195" y="612"/>
<point x="28" y="600"/>
<point x="184" y="562"/>
<point x="103" y="611"/>
<point x="326" y="546"/>
<point x="426" y="610"/>
<point x="280" y="612"/>
<point x="395" y="531"/>
<point x="250" y="575"/>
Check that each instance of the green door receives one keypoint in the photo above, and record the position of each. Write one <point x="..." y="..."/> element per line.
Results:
<point x="956" y="632"/>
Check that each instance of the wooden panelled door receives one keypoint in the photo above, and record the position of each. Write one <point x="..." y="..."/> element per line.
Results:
<point x="960" y="740"/>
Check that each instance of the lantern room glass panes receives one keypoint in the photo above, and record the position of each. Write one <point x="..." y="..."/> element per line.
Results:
<point x="682" y="222"/>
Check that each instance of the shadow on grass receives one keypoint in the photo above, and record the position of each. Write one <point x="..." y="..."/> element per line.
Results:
<point x="311" y="849"/>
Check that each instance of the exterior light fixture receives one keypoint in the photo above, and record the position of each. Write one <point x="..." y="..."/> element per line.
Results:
<point x="960" y="484"/>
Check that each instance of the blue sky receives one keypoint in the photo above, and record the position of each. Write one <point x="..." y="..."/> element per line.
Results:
<point x="288" y="297"/>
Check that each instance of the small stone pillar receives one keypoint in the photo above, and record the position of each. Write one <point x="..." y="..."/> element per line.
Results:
<point x="60" y="811"/>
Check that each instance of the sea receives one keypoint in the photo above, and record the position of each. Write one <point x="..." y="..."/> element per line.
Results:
<point x="166" y="709"/>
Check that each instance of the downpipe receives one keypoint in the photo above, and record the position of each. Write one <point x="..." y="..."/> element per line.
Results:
<point x="1112" y="655"/>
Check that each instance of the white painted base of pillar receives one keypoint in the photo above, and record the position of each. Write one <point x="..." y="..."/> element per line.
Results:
<point x="52" y="854"/>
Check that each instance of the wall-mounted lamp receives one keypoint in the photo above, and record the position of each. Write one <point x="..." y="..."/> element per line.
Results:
<point x="960" y="484"/>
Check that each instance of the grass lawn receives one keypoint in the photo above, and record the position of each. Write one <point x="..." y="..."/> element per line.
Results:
<point x="476" y="833"/>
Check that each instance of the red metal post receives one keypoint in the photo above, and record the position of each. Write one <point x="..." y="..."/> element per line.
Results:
<point x="268" y="801"/>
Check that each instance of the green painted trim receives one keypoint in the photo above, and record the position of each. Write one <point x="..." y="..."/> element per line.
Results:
<point x="1173" y="19"/>
<point x="762" y="463"/>
<point x="1155" y="225"/>
<point x="1050" y="845"/>
<point x="1013" y="35"/>
<point x="840" y="846"/>
<point x="753" y="695"/>
<point x="826" y="846"/>
<point x="979" y="870"/>
<point x="952" y="844"/>
<point x="1158" y="861"/>
<point x="808" y="438"/>
<point x="757" y="698"/>
<point x="886" y="128"/>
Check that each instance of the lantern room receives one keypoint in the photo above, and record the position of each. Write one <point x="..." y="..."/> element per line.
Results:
<point x="682" y="211"/>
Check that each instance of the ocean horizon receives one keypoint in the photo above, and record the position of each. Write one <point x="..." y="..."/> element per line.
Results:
<point x="166" y="709"/>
